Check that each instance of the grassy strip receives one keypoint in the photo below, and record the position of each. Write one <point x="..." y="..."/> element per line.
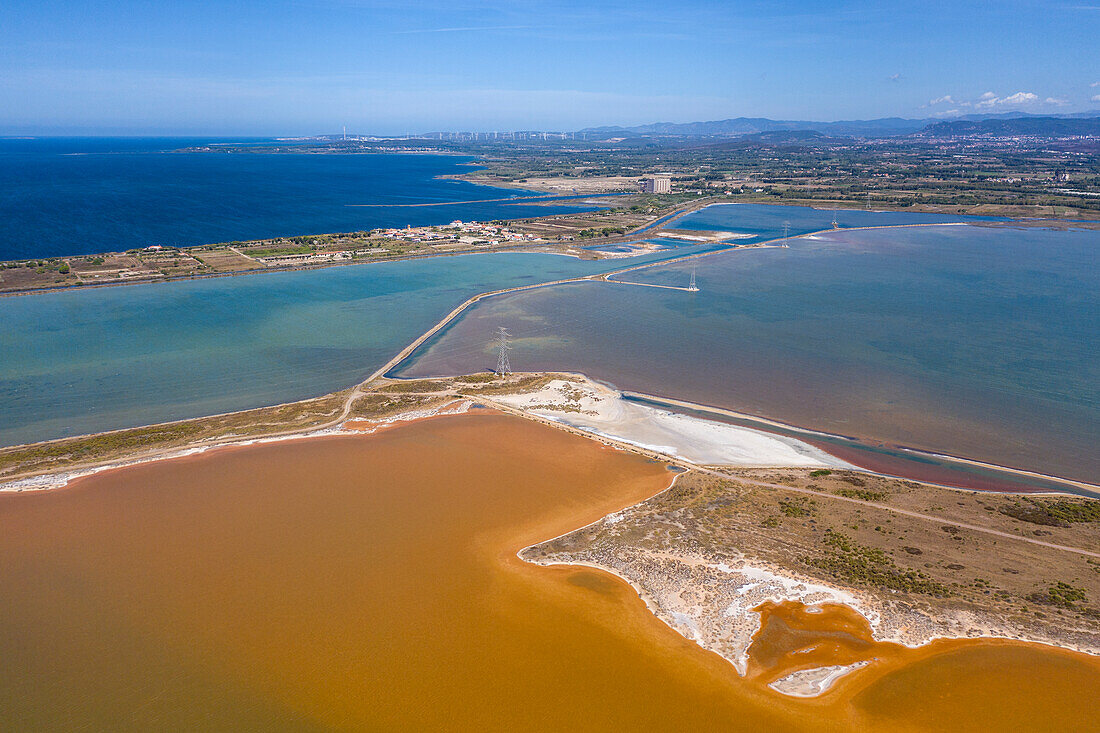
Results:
<point x="855" y="563"/>
<point x="1053" y="512"/>
<point x="386" y="401"/>
<point x="92" y="449"/>
<point x="494" y="385"/>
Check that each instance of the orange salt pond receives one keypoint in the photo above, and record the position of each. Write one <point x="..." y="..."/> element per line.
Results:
<point x="794" y="637"/>
<point x="986" y="685"/>
<point x="369" y="582"/>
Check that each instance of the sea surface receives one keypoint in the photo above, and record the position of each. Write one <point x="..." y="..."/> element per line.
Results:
<point x="93" y="359"/>
<point x="371" y="583"/>
<point x="980" y="341"/>
<point x="71" y="196"/>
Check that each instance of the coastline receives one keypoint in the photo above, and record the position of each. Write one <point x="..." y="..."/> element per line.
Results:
<point x="713" y="600"/>
<point x="611" y="276"/>
<point x="650" y="229"/>
<point x="509" y="248"/>
<point x="659" y="451"/>
<point x="1092" y="490"/>
<point x="590" y="407"/>
<point x="728" y="590"/>
<point x="890" y="626"/>
<point x="353" y="426"/>
<point x="725" y="624"/>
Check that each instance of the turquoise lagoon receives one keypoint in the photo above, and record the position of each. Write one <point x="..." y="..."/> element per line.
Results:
<point x="88" y="360"/>
<point x="763" y="222"/>
<point x="971" y="340"/>
<point x="980" y="341"/>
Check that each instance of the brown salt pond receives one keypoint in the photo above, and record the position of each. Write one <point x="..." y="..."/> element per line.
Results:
<point x="794" y="636"/>
<point x="370" y="582"/>
<point x="950" y="684"/>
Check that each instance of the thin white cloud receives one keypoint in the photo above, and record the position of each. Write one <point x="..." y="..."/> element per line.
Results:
<point x="1095" y="84"/>
<point x="989" y="100"/>
<point x="895" y="77"/>
<point x="464" y="29"/>
<point x="1096" y="98"/>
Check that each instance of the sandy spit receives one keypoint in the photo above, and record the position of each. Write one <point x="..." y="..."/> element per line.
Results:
<point x="710" y="603"/>
<point x="601" y="411"/>
<point x="61" y="479"/>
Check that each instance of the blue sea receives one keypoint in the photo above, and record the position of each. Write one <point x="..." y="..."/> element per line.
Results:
<point x="71" y="196"/>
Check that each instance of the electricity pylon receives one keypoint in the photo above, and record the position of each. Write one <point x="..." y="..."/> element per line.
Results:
<point x="503" y="347"/>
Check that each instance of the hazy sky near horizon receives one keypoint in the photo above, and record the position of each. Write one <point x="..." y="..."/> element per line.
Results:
<point x="284" y="67"/>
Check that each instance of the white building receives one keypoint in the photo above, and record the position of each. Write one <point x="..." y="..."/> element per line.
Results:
<point x="656" y="185"/>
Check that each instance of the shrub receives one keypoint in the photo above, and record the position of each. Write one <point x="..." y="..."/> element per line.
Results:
<point x="857" y="563"/>
<point x="797" y="507"/>
<point x="1060" y="594"/>
<point x="1054" y="513"/>
<point x="864" y="494"/>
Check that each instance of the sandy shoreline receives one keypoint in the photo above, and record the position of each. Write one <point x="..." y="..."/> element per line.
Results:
<point x="354" y="426"/>
<point x="803" y="683"/>
<point x="672" y="587"/>
<point x="591" y="407"/>
<point x="707" y="600"/>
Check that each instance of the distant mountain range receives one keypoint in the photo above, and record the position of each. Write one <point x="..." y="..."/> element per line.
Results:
<point x="1036" y="126"/>
<point x="738" y="126"/>
<point x="1053" y="125"/>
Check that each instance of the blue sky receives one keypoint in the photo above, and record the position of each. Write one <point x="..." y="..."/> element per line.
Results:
<point x="308" y="66"/>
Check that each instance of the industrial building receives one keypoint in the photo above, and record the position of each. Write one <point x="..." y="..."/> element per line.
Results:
<point x="656" y="185"/>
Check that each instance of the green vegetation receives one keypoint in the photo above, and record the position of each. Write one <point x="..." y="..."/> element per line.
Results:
<point x="969" y="175"/>
<point x="477" y="378"/>
<point x="303" y="249"/>
<point x="1060" y="594"/>
<point x="495" y="385"/>
<point x="1054" y="512"/>
<point x="855" y="563"/>
<point x="864" y="494"/>
<point x="415" y="385"/>
<point x="601" y="232"/>
<point x="797" y="507"/>
<point x="388" y="399"/>
<point x="376" y="405"/>
<point x="92" y="449"/>
<point x="821" y="472"/>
